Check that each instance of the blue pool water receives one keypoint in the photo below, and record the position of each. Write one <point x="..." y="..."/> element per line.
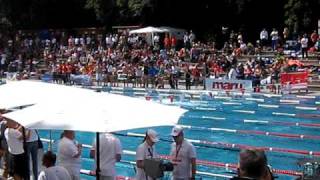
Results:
<point x="229" y="114"/>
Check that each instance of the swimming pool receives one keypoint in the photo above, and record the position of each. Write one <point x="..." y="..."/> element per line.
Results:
<point x="286" y="126"/>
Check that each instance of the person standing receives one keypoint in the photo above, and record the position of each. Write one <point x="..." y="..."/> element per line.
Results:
<point x="146" y="150"/>
<point x="264" y="38"/>
<point x="274" y="39"/>
<point x="4" y="154"/>
<point x="188" y="78"/>
<point x="69" y="154"/>
<point x="183" y="155"/>
<point x="52" y="172"/>
<point x="304" y="46"/>
<point x="110" y="152"/>
<point x="32" y="150"/>
<point x="18" y="163"/>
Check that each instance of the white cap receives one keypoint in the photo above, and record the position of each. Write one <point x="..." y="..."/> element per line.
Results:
<point x="176" y="130"/>
<point x="153" y="135"/>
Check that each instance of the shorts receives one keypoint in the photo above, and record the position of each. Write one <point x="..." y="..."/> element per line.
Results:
<point x="18" y="165"/>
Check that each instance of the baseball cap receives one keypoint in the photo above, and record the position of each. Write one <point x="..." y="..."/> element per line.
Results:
<point x="176" y="130"/>
<point x="153" y="135"/>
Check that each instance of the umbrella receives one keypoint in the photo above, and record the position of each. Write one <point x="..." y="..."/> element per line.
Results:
<point x="21" y="93"/>
<point x="69" y="108"/>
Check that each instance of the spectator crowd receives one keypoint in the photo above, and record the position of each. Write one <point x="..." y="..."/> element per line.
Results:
<point x="108" y="59"/>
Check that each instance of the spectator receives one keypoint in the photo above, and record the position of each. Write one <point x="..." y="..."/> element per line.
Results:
<point x="264" y="38"/>
<point x="304" y="46"/>
<point x="18" y="163"/>
<point x="52" y="172"/>
<point x="314" y="37"/>
<point x="32" y="150"/>
<point x="285" y="34"/>
<point x="183" y="156"/>
<point x="110" y="153"/>
<point x="192" y="38"/>
<point x="4" y="147"/>
<point x="253" y="165"/>
<point x="146" y="150"/>
<point x="274" y="38"/>
<point x="69" y="154"/>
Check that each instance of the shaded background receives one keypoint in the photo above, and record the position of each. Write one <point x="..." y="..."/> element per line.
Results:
<point x="205" y="17"/>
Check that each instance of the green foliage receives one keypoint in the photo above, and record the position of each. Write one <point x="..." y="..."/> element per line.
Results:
<point x="102" y="8"/>
<point x="299" y="14"/>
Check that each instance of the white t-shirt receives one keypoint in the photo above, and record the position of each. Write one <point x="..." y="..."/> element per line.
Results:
<point x="232" y="74"/>
<point x="109" y="147"/>
<point x="67" y="149"/>
<point x="144" y="151"/>
<point x="264" y="35"/>
<point x="15" y="145"/>
<point x="304" y="42"/>
<point x="54" y="173"/>
<point x="33" y="136"/>
<point x="181" y="157"/>
<point x="274" y="35"/>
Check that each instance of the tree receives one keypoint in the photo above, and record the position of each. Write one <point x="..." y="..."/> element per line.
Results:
<point x="301" y="15"/>
<point x="102" y="8"/>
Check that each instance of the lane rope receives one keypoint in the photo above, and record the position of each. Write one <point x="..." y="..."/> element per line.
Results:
<point x="287" y="135"/>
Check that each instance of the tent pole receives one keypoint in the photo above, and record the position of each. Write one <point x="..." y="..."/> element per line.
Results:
<point x="98" y="156"/>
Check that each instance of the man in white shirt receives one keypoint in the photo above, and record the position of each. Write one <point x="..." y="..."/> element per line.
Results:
<point x="110" y="153"/>
<point x="18" y="164"/>
<point x="304" y="46"/>
<point x="264" y="37"/>
<point x="183" y="155"/>
<point x="274" y="38"/>
<point x="52" y="172"/>
<point x="69" y="154"/>
<point x="146" y="150"/>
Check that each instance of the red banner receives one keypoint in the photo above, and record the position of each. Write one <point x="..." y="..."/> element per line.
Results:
<point x="294" y="78"/>
<point x="294" y="81"/>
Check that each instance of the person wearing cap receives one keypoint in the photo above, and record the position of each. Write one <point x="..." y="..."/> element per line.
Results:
<point x="110" y="153"/>
<point x="183" y="156"/>
<point x="146" y="150"/>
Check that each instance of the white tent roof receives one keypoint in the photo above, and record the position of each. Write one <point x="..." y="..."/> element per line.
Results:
<point x="149" y="29"/>
<point x="171" y="29"/>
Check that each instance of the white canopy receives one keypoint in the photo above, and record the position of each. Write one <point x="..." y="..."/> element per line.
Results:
<point x="85" y="110"/>
<point x="20" y="93"/>
<point x="149" y="29"/>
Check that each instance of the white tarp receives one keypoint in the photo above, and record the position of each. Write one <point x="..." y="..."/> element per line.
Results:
<point x="85" y="110"/>
<point x="149" y="29"/>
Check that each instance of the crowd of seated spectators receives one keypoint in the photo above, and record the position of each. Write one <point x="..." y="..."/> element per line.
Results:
<point x="108" y="59"/>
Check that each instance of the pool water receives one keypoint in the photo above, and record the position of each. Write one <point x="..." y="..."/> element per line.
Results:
<point x="230" y="113"/>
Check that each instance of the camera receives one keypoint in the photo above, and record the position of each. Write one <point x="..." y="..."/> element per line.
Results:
<point x="155" y="168"/>
<point x="310" y="169"/>
<point x="166" y="165"/>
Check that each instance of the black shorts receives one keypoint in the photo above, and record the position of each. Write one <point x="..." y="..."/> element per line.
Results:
<point x="18" y="164"/>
